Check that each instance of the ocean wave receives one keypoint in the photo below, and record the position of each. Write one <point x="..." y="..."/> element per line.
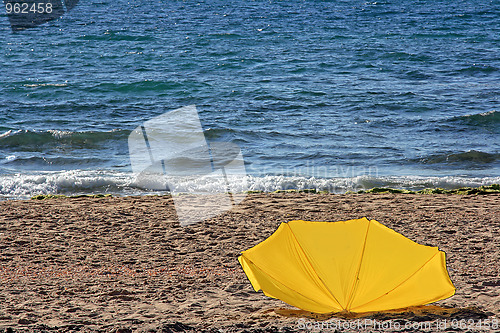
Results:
<point x="218" y="133"/>
<point x="478" y="69"/>
<point x="5" y="134"/>
<point x="49" y="85"/>
<point x="147" y="86"/>
<point x="27" y="139"/>
<point x="49" y="163"/>
<point x="225" y="35"/>
<point x="479" y="119"/>
<point x="23" y="186"/>
<point x="471" y="156"/>
<point x="139" y="86"/>
<point x="416" y="183"/>
<point x="116" y="36"/>
<point x="344" y="184"/>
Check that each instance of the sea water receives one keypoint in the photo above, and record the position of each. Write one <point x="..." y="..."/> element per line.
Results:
<point x="334" y="95"/>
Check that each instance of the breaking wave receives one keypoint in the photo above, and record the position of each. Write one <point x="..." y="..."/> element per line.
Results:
<point x="23" y="186"/>
<point x="479" y="119"/>
<point x="471" y="156"/>
<point x="28" y="139"/>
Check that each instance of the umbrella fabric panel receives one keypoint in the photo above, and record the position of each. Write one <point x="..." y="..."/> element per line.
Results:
<point x="275" y="289"/>
<point x="334" y="257"/>
<point x="388" y="260"/>
<point x="281" y="259"/>
<point x="428" y="284"/>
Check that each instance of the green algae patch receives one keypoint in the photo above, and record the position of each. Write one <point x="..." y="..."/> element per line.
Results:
<point x="481" y="190"/>
<point x="388" y="190"/>
<point x="55" y="196"/>
<point x="307" y="190"/>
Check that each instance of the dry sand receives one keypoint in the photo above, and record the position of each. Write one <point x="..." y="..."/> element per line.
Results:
<point x="125" y="263"/>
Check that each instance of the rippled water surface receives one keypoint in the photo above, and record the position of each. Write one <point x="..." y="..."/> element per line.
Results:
<point x="348" y="93"/>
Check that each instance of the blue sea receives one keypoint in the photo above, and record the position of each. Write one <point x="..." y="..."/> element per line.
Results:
<point x="335" y="95"/>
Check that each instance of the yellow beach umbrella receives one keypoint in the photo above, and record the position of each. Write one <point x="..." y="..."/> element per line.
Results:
<point x="351" y="266"/>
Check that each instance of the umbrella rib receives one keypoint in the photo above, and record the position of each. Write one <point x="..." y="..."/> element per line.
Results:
<point x="403" y="282"/>
<point x="275" y="279"/>
<point x="310" y="263"/>
<point x="356" y="283"/>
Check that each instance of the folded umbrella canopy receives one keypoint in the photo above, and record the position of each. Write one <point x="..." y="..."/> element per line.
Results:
<point x="350" y="266"/>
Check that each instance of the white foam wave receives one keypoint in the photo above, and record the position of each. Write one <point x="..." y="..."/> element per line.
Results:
<point x="22" y="186"/>
<point x="344" y="184"/>
<point x="419" y="182"/>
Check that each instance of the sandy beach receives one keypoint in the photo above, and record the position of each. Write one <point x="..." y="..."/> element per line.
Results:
<point x="125" y="263"/>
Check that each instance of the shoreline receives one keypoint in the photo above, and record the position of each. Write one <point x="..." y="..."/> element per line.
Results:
<point x="479" y="190"/>
<point x="124" y="262"/>
<point x="80" y="182"/>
